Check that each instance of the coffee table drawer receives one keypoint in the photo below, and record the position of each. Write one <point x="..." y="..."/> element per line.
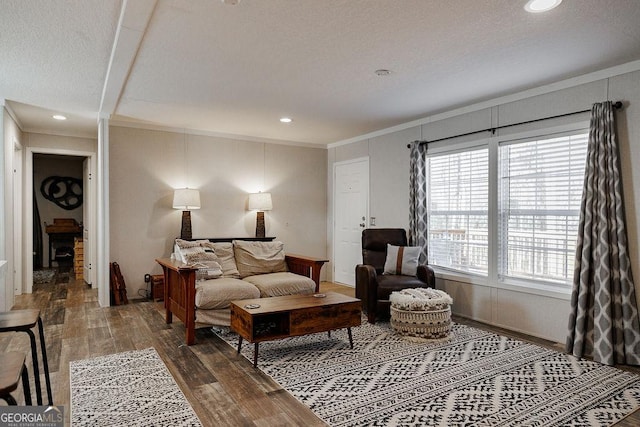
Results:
<point x="325" y="318"/>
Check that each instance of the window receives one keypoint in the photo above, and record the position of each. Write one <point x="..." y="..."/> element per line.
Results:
<point x="540" y="190"/>
<point x="458" y="210"/>
<point x="508" y="209"/>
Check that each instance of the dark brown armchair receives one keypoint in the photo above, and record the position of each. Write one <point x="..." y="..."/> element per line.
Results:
<point x="374" y="288"/>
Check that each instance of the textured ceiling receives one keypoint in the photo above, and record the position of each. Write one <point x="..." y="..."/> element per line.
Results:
<point x="235" y="70"/>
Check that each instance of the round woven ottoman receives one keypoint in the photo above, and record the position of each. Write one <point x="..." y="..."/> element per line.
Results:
<point x="421" y="314"/>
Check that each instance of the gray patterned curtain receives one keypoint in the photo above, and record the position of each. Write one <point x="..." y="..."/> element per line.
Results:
<point x="418" y="198"/>
<point x="604" y="320"/>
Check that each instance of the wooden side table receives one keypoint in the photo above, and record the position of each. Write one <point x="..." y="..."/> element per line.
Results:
<point x="157" y="287"/>
<point x="24" y="321"/>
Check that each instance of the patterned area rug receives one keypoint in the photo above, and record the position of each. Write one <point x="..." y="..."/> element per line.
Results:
<point x="133" y="388"/>
<point x="475" y="378"/>
<point x="43" y="276"/>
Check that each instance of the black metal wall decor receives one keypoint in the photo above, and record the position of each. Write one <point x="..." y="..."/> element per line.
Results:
<point x="64" y="191"/>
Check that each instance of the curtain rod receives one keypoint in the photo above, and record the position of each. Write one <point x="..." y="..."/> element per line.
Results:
<point x="616" y="105"/>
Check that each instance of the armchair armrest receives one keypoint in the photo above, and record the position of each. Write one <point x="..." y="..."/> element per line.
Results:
<point x="427" y="275"/>
<point x="366" y="287"/>
<point x="306" y="266"/>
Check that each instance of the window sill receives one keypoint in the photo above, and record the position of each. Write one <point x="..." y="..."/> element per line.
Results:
<point x="536" y="289"/>
<point x="510" y="284"/>
<point x="457" y="276"/>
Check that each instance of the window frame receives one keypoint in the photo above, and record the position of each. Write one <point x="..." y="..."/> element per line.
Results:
<point x="494" y="278"/>
<point x="463" y="148"/>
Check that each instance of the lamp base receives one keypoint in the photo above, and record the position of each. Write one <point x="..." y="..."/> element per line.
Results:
<point x="185" y="231"/>
<point x="260" y="232"/>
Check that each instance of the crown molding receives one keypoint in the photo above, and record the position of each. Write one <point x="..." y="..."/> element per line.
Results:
<point x="13" y="115"/>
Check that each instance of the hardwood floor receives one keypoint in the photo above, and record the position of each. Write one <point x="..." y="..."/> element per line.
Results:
<point x="223" y="388"/>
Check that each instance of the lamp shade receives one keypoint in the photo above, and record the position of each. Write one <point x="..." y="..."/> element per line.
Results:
<point x="186" y="199"/>
<point x="260" y="202"/>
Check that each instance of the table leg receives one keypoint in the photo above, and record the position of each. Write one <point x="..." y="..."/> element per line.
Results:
<point x="239" y="344"/>
<point x="45" y="361"/>
<point x="329" y="333"/>
<point x="36" y="369"/>
<point x="350" y="338"/>
<point x="255" y="355"/>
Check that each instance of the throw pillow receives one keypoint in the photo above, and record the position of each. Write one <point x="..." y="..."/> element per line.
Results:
<point x="207" y="261"/>
<point x="182" y="248"/>
<point x="259" y="257"/>
<point x="183" y="244"/>
<point x="402" y="260"/>
<point x="224" y="252"/>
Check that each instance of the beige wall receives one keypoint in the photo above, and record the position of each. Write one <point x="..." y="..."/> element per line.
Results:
<point x="145" y="167"/>
<point x="544" y="315"/>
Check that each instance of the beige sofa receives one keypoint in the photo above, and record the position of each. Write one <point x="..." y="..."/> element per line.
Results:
<point x="206" y="276"/>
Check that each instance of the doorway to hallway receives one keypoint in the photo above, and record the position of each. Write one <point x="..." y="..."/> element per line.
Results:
<point x="60" y="211"/>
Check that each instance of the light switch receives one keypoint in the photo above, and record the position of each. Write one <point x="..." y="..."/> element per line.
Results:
<point x="372" y="221"/>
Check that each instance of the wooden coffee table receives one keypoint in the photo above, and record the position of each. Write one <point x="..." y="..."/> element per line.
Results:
<point x="267" y="319"/>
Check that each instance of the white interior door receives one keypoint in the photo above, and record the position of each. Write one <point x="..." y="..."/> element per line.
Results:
<point x="351" y="210"/>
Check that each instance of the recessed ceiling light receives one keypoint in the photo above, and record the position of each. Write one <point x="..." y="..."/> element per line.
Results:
<point x="382" y="72"/>
<point x="59" y="117"/>
<point x="537" y="6"/>
<point x="286" y="120"/>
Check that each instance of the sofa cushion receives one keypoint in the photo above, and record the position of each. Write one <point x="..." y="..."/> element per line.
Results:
<point x="389" y="283"/>
<point x="218" y="293"/>
<point x="259" y="257"/>
<point x="226" y="259"/>
<point x="281" y="284"/>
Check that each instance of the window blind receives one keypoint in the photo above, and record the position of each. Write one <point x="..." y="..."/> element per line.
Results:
<point x="458" y="210"/>
<point x="539" y="196"/>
